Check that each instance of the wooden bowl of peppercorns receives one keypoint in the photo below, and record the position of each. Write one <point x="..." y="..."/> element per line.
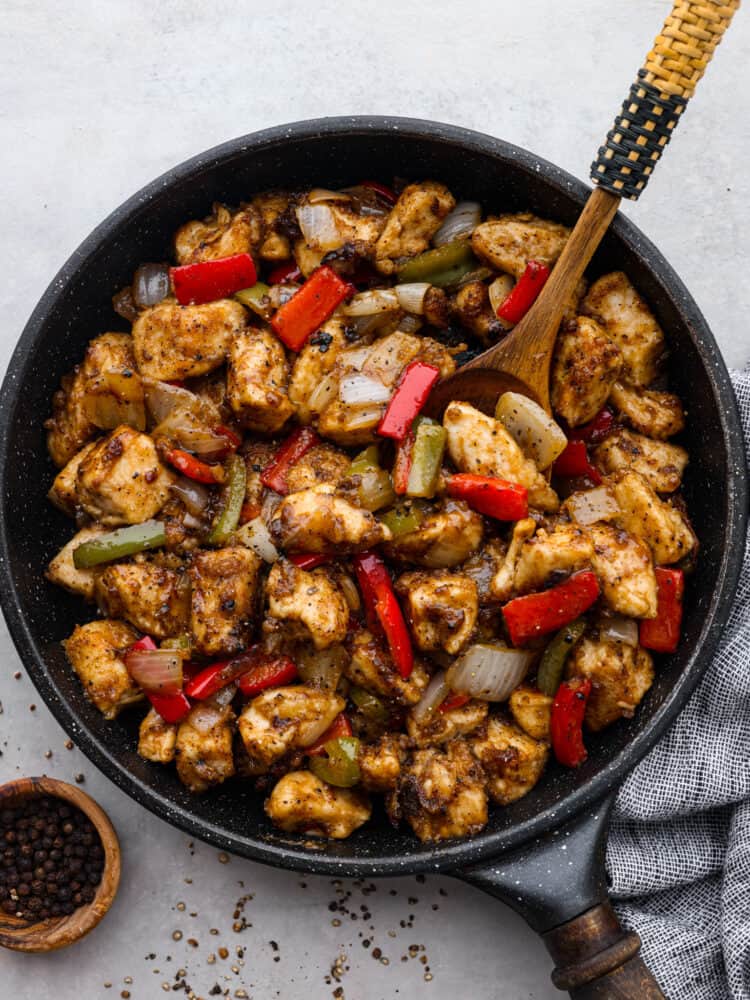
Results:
<point x="59" y="864"/>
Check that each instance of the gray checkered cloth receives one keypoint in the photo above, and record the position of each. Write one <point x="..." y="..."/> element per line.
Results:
<point x="679" y="849"/>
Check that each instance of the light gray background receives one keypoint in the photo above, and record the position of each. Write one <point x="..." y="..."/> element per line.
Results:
<point x="98" y="98"/>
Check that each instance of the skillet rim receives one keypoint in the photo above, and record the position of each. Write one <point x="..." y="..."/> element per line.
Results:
<point x="483" y="847"/>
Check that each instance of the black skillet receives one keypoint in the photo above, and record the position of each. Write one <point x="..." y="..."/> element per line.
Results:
<point x="544" y="854"/>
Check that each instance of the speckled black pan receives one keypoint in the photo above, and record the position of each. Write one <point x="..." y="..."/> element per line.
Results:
<point x="76" y="307"/>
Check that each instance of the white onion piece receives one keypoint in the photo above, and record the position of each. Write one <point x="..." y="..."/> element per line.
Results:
<point x="535" y="432"/>
<point x="619" y="629"/>
<point x="349" y="590"/>
<point x="435" y="694"/>
<point x="489" y="671"/>
<point x="319" y="228"/>
<point x="323" y="194"/>
<point x="499" y="290"/>
<point x="377" y="300"/>
<point x="150" y="284"/>
<point x="158" y="671"/>
<point x="323" y="394"/>
<point x="162" y="398"/>
<point x="411" y="296"/>
<point x="271" y="501"/>
<point x="462" y="221"/>
<point x="195" y="496"/>
<point x="363" y="418"/>
<point x="409" y="323"/>
<point x="225" y="695"/>
<point x="256" y="536"/>
<point x="352" y="360"/>
<point x="278" y="295"/>
<point x="594" y="505"/>
<point x="191" y="433"/>
<point x="361" y="390"/>
<point x="321" y="667"/>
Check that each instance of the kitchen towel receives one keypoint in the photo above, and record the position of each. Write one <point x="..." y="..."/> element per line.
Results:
<point x="679" y="846"/>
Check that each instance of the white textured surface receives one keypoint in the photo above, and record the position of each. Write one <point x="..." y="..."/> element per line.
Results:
<point x="98" y="98"/>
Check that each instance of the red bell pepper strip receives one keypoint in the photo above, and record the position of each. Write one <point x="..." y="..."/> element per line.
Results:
<point x="402" y="464"/>
<point x="494" y="497"/>
<point x="547" y="611"/>
<point x="171" y="707"/>
<point x="233" y="439"/>
<point x="410" y="396"/>
<point x="309" y="307"/>
<point x="193" y="468"/>
<point x="380" y="602"/>
<point x="338" y="728"/>
<point x="662" y="634"/>
<point x="288" y="272"/>
<point x="296" y="445"/>
<point x="274" y="672"/>
<point x="388" y="194"/>
<point x="574" y="461"/>
<point x="213" y="279"/>
<point x="522" y="296"/>
<point x="595" y="430"/>
<point x="215" y="677"/>
<point x="454" y="701"/>
<point x="566" y="721"/>
<point x="309" y="560"/>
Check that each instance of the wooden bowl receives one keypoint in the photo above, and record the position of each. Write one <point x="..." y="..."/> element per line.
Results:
<point x="59" y="932"/>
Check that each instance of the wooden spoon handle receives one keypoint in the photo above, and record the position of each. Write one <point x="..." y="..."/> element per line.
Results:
<point x="678" y="59"/>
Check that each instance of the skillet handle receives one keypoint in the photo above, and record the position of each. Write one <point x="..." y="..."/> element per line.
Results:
<point x="558" y="884"/>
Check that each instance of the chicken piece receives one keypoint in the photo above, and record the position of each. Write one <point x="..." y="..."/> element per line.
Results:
<point x="503" y="582"/>
<point x="480" y="444"/>
<point x="311" y="604"/>
<point x="64" y="490"/>
<point x="585" y="367"/>
<point x="625" y="570"/>
<point x="509" y="242"/>
<point x="414" y="220"/>
<point x="441" y="608"/>
<point x="222" y="234"/>
<point x="302" y="803"/>
<point x="314" y="362"/>
<point x="441" y="793"/>
<point x="550" y="556"/>
<point x="95" y="652"/>
<point x="642" y="513"/>
<point x="322" y="464"/>
<point x="660" y="463"/>
<point x="531" y="710"/>
<point x="360" y="230"/>
<point x="307" y="258"/>
<point x="471" y="307"/>
<point x="157" y="739"/>
<point x="380" y="763"/>
<point x="108" y="357"/>
<point x="620" y="676"/>
<point x="614" y="303"/>
<point x="286" y="718"/>
<point x="258" y="381"/>
<point x="272" y="205"/>
<point x="223" y="601"/>
<point x="372" y="668"/>
<point x="655" y="414"/>
<point x="447" y="536"/>
<point x="317" y="520"/>
<point x="203" y="747"/>
<point x="435" y="308"/>
<point x="63" y="571"/>
<point x="440" y="727"/>
<point x="483" y="566"/>
<point x="121" y="480"/>
<point x="512" y="761"/>
<point x="153" y="598"/>
<point x="174" y="342"/>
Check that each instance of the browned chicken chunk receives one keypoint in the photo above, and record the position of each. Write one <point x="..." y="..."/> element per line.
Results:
<point x="552" y="554"/>
<point x="152" y="597"/>
<point x="317" y="520"/>
<point x="223" y="602"/>
<point x="64" y="490"/>
<point x="322" y="464"/>
<point x="625" y="570"/>
<point x="311" y="604"/>
<point x="95" y="652"/>
<point x="157" y="739"/>
<point x="222" y="234"/>
<point x="203" y="747"/>
<point x="414" y="220"/>
<point x="659" y="462"/>
<point x="380" y="762"/>
<point x="286" y="718"/>
<point x="509" y="242"/>
<point x="302" y="803"/>
<point x="472" y="308"/>
<point x="512" y="761"/>
<point x="371" y="667"/>
<point x="447" y="536"/>
<point x="314" y="362"/>
<point x="620" y="676"/>
<point x="663" y="527"/>
<point x="441" y="608"/>
<point x="63" y="571"/>
<point x="504" y="580"/>
<point x="258" y="381"/>
<point x="531" y="710"/>
<point x="272" y="205"/>
<point x="585" y="367"/>
<point x="656" y="414"/>
<point x="441" y="726"/>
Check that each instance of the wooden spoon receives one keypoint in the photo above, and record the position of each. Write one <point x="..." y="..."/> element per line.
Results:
<point x="521" y="361"/>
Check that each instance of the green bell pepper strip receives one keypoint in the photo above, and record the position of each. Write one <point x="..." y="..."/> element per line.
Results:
<point x="181" y="644"/>
<point x="226" y="522"/>
<point x="364" y="461"/>
<point x="375" y="486"/>
<point x="402" y="520"/>
<point x="368" y="704"/>
<point x="552" y="664"/>
<point x="253" y="298"/>
<point x="426" y="458"/>
<point x="339" y="766"/>
<point x="442" y="267"/>
<point x="120" y="543"/>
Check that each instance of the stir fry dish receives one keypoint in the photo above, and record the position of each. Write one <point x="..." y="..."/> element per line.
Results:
<point x="310" y="583"/>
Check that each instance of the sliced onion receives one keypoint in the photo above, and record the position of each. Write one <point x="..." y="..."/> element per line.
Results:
<point x="462" y="221"/>
<point x="410" y="324"/>
<point x="224" y="696"/>
<point x="377" y="300"/>
<point x="381" y="323"/>
<point x="361" y="419"/>
<point x="150" y="284"/>
<point x="123" y="304"/>
<point x="156" y="670"/>
<point x="361" y="390"/>
<point x="536" y="433"/>
<point x="499" y="291"/>
<point x="435" y="694"/>
<point x="349" y="589"/>
<point x="271" y="501"/>
<point x="191" y="522"/>
<point x="321" y="667"/>
<point x="280" y="294"/>
<point x="113" y="398"/>
<point x="191" y="433"/>
<point x="354" y="359"/>
<point x="594" y="505"/>
<point x="256" y="536"/>
<point x="323" y="194"/>
<point x="620" y="629"/>
<point x="489" y="671"/>
<point x="318" y="225"/>
<point x="323" y="394"/>
<point x="162" y="398"/>
<point x="195" y="496"/>
<point x="411" y="296"/>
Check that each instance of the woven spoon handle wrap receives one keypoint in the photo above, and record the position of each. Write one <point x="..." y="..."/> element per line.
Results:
<point x="681" y="53"/>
